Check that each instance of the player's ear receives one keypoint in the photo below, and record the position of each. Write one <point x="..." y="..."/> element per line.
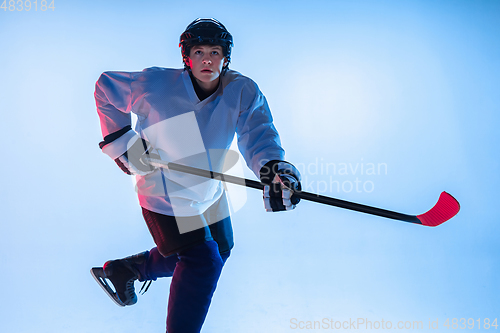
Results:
<point x="225" y="62"/>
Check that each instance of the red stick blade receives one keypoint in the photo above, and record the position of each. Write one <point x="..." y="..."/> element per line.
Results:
<point x="446" y="207"/>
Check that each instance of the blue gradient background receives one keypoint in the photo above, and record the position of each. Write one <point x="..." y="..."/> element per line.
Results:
<point x="412" y="84"/>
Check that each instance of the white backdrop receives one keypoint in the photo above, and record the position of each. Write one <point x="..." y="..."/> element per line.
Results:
<point x="385" y="103"/>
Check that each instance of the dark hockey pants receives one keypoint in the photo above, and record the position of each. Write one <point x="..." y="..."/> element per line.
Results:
<point x="194" y="273"/>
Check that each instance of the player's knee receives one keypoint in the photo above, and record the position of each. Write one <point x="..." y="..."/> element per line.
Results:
<point x="213" y="258"/>
<point x="206" y="257"/>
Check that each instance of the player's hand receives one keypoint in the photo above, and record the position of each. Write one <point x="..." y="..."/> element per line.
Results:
<point x="282" y="180"/>
<point x="130" y="162"/>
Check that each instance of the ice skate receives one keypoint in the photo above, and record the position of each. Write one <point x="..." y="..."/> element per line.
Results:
<point x="122" y="275"/>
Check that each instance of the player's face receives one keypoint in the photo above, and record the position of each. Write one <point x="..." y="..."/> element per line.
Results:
<point x="206" y="63"/>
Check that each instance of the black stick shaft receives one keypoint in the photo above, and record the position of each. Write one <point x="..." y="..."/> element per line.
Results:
<point x="303" y="195"/>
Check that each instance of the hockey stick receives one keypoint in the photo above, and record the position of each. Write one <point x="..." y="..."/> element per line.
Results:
<point x="445" y="208"/>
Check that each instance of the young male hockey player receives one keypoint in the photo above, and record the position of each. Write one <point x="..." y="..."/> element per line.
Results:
<point x="177" y="111"/>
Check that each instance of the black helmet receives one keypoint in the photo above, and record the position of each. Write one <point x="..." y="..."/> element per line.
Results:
<point x="206" y="31"/>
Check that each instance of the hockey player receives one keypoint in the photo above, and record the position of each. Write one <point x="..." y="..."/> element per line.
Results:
<point x="174" y="107"/>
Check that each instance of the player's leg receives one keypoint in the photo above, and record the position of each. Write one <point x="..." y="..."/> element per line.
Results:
<point x="122" y="273"/>
<point x="150" y="265"/>
<point x="192" y="287"/>
<point x="216" y="225"/>
<point x="161" y="260"/>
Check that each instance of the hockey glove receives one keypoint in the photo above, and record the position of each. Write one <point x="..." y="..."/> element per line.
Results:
<point x="130" y="162"/>
<point x="282" y="179"/>
<point x="117" y="145"/>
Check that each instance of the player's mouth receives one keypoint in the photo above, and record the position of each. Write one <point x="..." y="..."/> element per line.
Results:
<point x="206" y="70"/>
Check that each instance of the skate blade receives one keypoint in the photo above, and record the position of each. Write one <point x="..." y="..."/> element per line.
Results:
<point x="100" y="277"/>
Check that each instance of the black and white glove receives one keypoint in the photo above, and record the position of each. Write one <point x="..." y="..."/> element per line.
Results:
<point x="127" y="148"/>
<point x="131" y="161"/>
<point x="282" y="179"/>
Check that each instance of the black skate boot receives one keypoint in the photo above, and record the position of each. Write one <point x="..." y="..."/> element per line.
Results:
<point x="122" y="274"/>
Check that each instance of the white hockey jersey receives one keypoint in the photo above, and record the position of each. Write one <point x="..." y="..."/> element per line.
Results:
<point x="172" y="118"/>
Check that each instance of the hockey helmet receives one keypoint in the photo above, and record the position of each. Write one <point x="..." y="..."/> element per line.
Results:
<point x="206" y="31"/>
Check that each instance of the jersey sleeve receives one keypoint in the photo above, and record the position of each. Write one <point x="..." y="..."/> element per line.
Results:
<point x="113" y="96"/>
<point x="258" y="139"/>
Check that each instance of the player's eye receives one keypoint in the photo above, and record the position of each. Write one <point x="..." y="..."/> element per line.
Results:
<point x="215" y="52"/>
